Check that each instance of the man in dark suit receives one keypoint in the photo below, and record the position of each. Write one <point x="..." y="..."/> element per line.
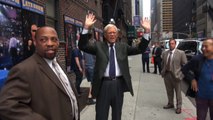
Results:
<point x="112" y="77"/>
<point x="38" y="88"/>
<point x="157" y="57"/>
<point x="172" y="61"/>
<point x="145" y="60"/>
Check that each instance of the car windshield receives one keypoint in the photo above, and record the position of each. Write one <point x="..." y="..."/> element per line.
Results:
<point x="188" y="46"/>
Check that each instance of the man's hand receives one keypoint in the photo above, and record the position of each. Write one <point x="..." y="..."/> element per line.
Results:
<point x="89" y="21"/>
<point x="194" y="86"/>
<point x="145" y="23"/>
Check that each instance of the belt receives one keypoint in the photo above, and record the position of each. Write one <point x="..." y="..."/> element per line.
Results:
<point x="168" y="71"/>
<point x="112" y="78"/>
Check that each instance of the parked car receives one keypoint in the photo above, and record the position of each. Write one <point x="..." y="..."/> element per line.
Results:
<point x="190" y="47"/>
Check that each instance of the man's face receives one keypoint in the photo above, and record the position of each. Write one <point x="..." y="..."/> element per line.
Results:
<point x="172" y="45"/>
<point x="207" y="48"/>
<point x="33" y="31"/>
<point x="47" y="42"/>
<point x="111" y="35"/>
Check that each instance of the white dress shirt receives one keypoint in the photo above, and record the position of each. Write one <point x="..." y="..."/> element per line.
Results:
<point x="117" y="68"/>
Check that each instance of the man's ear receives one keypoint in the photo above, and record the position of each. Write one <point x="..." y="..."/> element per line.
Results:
<point x="34" y="42"/>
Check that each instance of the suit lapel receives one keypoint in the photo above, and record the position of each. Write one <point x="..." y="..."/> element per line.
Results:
<point x="44" y="67"/>
<point x="117" y="49"/>
<point x="174" y="55"/>
<point x="71" y="84"/>
<point x="106" y="49"/>
<point x="173" y="59"/>
<point x="166" y="56"/>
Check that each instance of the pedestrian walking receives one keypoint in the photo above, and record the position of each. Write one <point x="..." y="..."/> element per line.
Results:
<point x="12" y="49"/>
<point x="199" y="72"/>
<point x="112" y="76"/>
<point x="89" y="70"/>
<point x="172" y="61"/>
<point x="78" y="67"/>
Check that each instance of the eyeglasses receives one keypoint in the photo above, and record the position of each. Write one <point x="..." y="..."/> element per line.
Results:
<point x="33" y="30"/>
<point x="111" y="33"/>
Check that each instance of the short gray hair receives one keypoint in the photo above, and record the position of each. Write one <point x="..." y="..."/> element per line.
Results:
<point x="109" y="26"/>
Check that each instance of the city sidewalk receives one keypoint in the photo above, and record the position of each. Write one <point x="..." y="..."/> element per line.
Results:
<point x="148" y="100"/>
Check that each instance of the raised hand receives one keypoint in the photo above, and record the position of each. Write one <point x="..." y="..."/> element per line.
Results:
<point x="145" y="23"/>
<point x="89" y="21"/>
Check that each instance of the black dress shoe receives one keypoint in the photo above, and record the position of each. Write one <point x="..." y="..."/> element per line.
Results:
<point x="168" y="106"/>
<point x="90" y="101"/>
<point x="178" y="111"/>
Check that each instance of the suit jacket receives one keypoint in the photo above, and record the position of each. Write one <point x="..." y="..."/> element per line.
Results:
<point x="101" y="50"/>
<point x="33" y="92"/>
<point x="157" y="51"/>
<point x="178" y="60"/>
<point x="192" y="71"/>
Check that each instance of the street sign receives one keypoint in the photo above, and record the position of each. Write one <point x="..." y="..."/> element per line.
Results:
<point x="131" y="32"/>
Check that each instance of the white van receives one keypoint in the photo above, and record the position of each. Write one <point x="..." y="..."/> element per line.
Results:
<point x="190" y="47"/>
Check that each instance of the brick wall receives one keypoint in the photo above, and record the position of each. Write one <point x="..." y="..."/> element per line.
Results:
<point x="76" y="9"/>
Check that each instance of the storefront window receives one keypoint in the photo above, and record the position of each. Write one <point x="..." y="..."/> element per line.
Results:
<point x="16" y="31"/>
<point x="31" y="21"/>
<point x="11" y="43"/>
<point x="73" y="28"/>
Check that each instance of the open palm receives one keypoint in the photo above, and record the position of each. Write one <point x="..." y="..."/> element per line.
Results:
<point x="145" y="23"/>
<point x="89" y="21"/>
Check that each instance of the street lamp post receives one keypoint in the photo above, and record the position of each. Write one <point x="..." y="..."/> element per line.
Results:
<point x="190" y="24"/>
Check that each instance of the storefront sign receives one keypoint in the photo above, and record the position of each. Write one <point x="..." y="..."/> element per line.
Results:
<point x="31" y="6"/>
<point x="69" y="20"/>
<point x="16" y="3"/>
<point x="136" y="21"/>
<point x="131" y="32"/>
<point x="78" y="23"/>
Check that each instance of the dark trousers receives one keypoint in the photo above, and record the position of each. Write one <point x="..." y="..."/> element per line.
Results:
<point x="79" y="77"/>
<point x="157" y="64"/>
<point x="111" y="94"/>
<point x="145" y="62"/>
<point x="14" y="55"/>
<point x="202" y="106"/>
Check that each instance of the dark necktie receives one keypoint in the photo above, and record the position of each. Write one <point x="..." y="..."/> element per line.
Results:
<point x="168" y="65"/>
<point x="112" y="62"/>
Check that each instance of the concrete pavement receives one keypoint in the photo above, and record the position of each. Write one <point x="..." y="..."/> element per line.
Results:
<point x="148" y="100"/>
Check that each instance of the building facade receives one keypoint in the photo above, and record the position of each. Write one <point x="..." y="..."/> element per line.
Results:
<point x="167" y="15"/>
<point x="204" y="18"/>
<point x="184" y="18"/>
<point x="154" y="23"/>
<point x="66" y="16"/>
